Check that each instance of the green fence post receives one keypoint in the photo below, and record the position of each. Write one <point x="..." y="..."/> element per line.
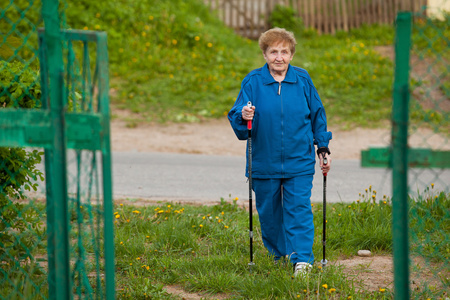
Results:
<point x="400" y="114"/>
<point x="58" y="242"/>
<point x="103" y="77"/>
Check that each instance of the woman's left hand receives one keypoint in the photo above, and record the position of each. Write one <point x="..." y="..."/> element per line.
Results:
<point x="325" y="168"/>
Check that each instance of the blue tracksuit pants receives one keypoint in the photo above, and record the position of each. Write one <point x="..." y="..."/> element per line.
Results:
<point x="285" y="214"/>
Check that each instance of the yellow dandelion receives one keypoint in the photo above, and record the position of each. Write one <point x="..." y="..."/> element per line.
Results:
<point x="148" y="236"/>
<point x="222" y="213"/>
<point x="117" y="216"/>
<point x="147" y="44"/>
<point x="81" y="206"/>
<point x="236" y="199"/>
<point x="85" y="28"/>
<point x="193" y="226"/>
<point x="349" y="297"/>
<point x="138" y="258"/>
<point x="146" y="27"/>
<point x="197" y="38"/>
<point x="128" y="220"/>
<point x="312" y="204"/>
<point x="121" y="243"/>
<point x="171" y="75"/>
<point x="203" y="217"/>
<point x="200" y="225"/>
<point x="150" y="18"/>
<point x="160" y="211"/>
<point x="97" y="27"/>
<point x="332" y="290"/>
<point x="361" y="45"/>
<point x="131" y="264"/>
<point x="115" y="213"/>
<point x="226" y="227"/>
<point x="144" y="33"/>
<point x="210" y="45"/>
<point x="121" y="203"/>
<point x="325" y="286"/>
<point x="382" y="290"/>
<point x="121" y="51"/>
<point x="174" y="42"/>
<point x="97" y="15"/>
<point x="148" y="268"/>
<point x="432" y="185"/>
<point x="136" y="212"/>
<point x="339" y="215"/>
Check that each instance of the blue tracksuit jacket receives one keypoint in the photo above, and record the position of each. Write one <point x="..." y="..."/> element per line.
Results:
<point x="289" y="120"/>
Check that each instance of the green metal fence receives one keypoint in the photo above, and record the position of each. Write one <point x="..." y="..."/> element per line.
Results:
<point x="419" y="157"/>
<point x="56" y="225"/>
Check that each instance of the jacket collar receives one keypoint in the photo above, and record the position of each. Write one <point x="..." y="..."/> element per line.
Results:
<point x="268" y="78"/>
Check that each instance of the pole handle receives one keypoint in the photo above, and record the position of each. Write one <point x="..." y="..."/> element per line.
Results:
<point x="325" y="162"/>
<point x="249" y="122"/>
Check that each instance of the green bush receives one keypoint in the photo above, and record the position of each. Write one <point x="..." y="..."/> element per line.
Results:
<point x="286" y="17"/>
<point x="19" y="88"/>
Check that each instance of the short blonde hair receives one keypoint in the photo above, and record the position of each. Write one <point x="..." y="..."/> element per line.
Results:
<point x="277" y="35"/>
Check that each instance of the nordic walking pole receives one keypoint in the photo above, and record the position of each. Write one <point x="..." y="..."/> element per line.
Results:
<point x="250" y="200"/>
<point x="324" y="240"/>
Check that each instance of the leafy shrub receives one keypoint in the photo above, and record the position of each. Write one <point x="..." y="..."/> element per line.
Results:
<point x="19" y="87"/>
<point x="285" y="17"/>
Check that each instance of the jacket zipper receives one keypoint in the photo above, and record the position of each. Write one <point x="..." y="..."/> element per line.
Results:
<point x="282" y="130"/>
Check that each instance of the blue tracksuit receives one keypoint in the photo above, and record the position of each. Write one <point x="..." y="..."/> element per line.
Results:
<point x="289" y="120"/>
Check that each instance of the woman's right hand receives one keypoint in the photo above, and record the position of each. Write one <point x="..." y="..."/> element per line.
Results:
<point x="248" y="113"/>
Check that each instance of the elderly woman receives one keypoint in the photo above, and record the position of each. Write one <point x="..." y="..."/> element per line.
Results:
<point x="288" y="120"/>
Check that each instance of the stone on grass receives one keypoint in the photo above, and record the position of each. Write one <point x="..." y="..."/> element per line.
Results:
<point x="364" y="253"/>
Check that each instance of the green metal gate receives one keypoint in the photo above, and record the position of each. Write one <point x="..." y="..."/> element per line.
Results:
<point x="421" y="106"/>
<point x="58" y="244"/>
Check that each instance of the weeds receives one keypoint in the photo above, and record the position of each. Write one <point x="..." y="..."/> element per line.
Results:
<point x="204" y="249"/>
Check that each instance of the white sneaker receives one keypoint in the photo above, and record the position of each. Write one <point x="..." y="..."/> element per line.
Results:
<point x="301" y="268"/>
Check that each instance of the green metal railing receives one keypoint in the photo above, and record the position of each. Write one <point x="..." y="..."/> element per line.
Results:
<point x="57" y="241"/>
<point x="421" y="106"/>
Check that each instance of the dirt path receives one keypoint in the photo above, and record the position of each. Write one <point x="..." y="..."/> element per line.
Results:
<point x="215" y="137"/>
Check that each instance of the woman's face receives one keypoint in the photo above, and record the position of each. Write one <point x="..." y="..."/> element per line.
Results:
<point x="278" y="57"/>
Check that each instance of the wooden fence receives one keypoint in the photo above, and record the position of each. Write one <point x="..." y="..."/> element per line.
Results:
<point x="251" y="17"/>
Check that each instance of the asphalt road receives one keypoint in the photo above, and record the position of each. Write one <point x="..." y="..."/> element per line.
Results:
<point x="208" y="178"/>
